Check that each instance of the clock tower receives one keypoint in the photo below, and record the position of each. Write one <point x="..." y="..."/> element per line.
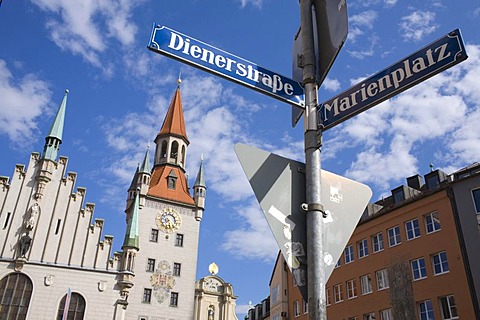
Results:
<point x="163" y="285"/>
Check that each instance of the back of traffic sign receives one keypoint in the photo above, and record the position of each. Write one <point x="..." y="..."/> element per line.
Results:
<point x="279" y="185"/>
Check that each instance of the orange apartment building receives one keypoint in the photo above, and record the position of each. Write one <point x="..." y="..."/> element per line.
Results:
<point x="413" y="255"/>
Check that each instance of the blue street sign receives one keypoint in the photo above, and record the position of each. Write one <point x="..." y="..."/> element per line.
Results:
<point x="203" y="56"/>
<point x="421" y="65"/>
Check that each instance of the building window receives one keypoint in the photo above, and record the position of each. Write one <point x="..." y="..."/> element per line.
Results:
<point x="382" y="279"/>
<point x="274" y="295"/>
<point x="369" y="316"/>
<point x="426" y="310"/>
<point x="15" y="294"/>
<point x="327" y="294"/>
<point x="296" y="309"/>
<point x="351" y="289"/>
<point x="339" y="262"/>
<point x="377" y="242"/>
<point x="176" y="269"/>
<point x="150" y="265"/>
<point x="179" y="240"/>
<point x="337" y="293"/>
<point x="349" y="254"/>
<point x="386" y="314"/>
<point x="413" y="229"/>
<point x="174" y="299"/>
<point x="432" y="222"/>
<point x="76" y="307"/>
<point x="305" y="307"/>
<point x="147" y="295"/>
<point x="476" y="199"/>
<point x="366" y="283"/>
<point x="398" y="196"/>
<point x="440" y="263"/>
<point x="418" y="269"/>
<point x="394" y="236"/>
<point x="154" y="235"/>
<point x="448" y="307"/>
<point x="362" y="248"/>
<point x="433" y="181"/>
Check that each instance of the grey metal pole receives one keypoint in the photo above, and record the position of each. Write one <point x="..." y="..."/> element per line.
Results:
<point x="313" y="141"/>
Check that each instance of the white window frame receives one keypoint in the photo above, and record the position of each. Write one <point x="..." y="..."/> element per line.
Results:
<point x="448" y="304"/>
<point x="327" y="297"/>
<point x="366" y="284"/>
<point x="337" y="293"/>
<point x="362" y="246"/>
<point x="430" y="222"/>
<point x="349" y="254"/>
<point x="428" y="310"/>
<point x="386" y="314"/>
<point x="296" y="309"/>
<point x="377" y="242"/>
<point x="443" y="259"/>
<point x="382" y="279"/>
<point x="416" y="266"/>
<point x="412" y="229"/>
<point x="396" y="239"/>
<point x="351" y="288"/>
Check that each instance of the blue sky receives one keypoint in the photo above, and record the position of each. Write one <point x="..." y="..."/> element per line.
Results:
<point x="119" y="92"/>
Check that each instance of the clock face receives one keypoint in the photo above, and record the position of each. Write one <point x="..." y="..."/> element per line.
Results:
<point x="168" y="220"/>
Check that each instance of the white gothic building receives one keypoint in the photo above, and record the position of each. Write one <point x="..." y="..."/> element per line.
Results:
<point x="53" y="256"/>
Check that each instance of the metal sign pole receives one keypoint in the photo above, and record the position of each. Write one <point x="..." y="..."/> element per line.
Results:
<point x="313" y="141"/>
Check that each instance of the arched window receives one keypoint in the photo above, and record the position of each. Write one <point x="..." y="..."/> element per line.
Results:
<point x="76" y="307"/>
<point x="163" y="153"/>
<point x="183" y="156"/>
<point x="174" y="152"/>
<point x="15" y="294"/>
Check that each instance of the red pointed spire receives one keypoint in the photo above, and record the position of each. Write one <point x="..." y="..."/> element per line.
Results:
<point x="174" y="123"/>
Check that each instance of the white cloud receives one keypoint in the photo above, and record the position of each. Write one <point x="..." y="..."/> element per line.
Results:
<point x="253" y="240"/>
<point x="417" y="25"/>
<point x="75" y="26"/>
<point x="23" y="100"/>
<point x="331" y="84"/>
<point x="364" y="19"/>
<point x="255" y="3"/>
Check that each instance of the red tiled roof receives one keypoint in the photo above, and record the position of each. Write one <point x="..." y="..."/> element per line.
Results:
<point x="159" y="187"/>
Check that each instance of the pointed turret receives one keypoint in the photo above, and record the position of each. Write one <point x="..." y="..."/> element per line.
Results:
<point x="54" y="137"/>
<point x="130" y="249"/>
<point x="131" y="235"/>
<point x="200" y="189"/>
<point x="50" y="150"/>
<point x="168" y="180"/>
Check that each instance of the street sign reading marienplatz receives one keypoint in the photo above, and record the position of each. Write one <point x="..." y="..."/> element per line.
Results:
<point x="421" y="65"/>
<point x="203" y="56"/>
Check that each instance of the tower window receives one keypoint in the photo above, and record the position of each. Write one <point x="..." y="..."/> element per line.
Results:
<point x="147" y="295"/>
<point x="171" y="180"/>
<point x="174" y="152"/>
<point x="154" y="235"/>
<point x="183" y="156"/>
<point x="163" y="153"/>
<point x="176" y="269"/>
<point x="179" y="240"/>
<point x="174" y="299"/>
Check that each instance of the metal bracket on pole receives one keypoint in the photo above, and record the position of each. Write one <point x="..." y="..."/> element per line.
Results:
<point x="314" y="207"/>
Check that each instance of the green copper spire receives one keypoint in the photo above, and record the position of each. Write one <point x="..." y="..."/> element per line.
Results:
<point x="131" y="235"/>
<point x="145" y="167"/>
<point x="200" y="181"/>
<point x="54" y="138"/>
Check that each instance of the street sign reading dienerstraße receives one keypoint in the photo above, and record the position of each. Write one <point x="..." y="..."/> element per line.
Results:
<point x="423" y="64"/>
<point x="201" y="55"/>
